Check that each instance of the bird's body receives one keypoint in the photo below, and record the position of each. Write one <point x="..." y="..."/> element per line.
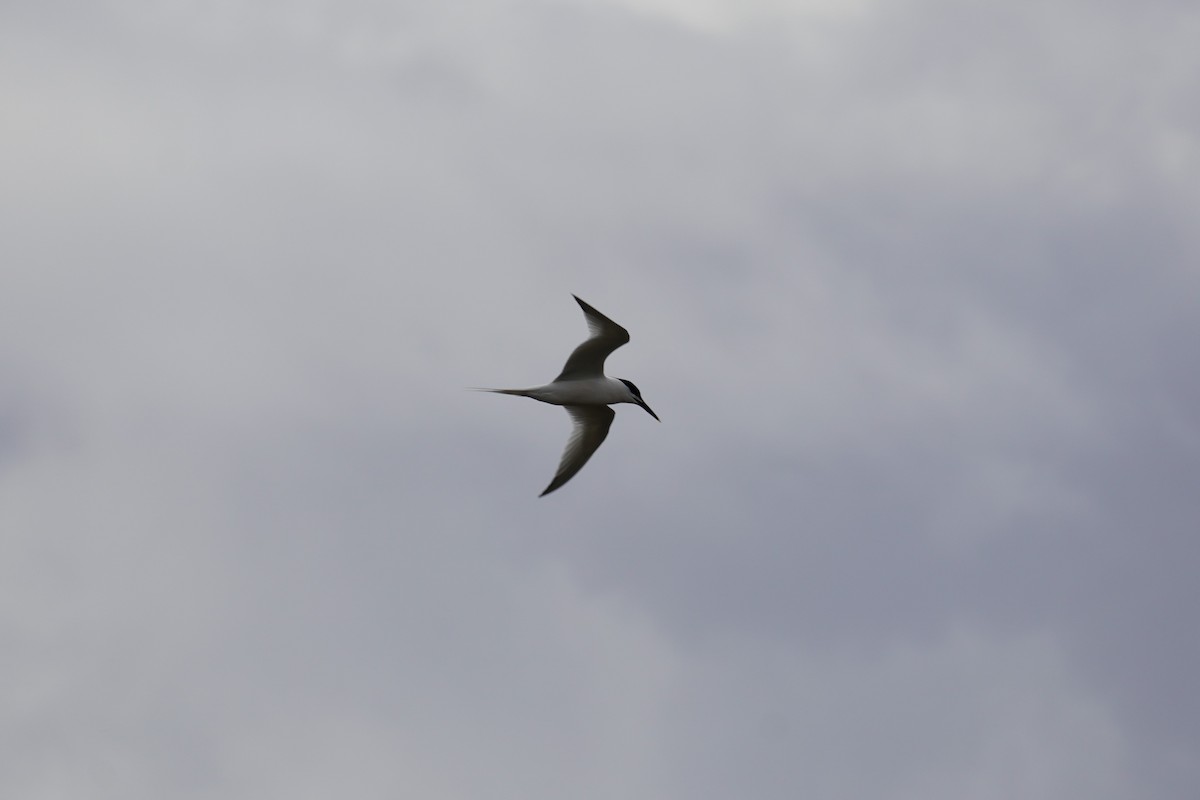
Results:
<point x="584" y="390"/>
<point x="579" y="392"/>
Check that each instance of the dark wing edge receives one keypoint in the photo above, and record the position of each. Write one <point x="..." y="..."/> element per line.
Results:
<point x="591" y="424"/>
<point x="598" y="324"/>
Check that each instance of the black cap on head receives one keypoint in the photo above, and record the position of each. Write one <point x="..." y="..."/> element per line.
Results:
<point x="638" y="397"/>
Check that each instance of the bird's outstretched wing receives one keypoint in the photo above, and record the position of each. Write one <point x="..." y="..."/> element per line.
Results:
<point x="591" y="428"/>
<point x="587" y="360"/>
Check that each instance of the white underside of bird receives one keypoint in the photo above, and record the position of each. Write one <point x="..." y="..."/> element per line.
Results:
<point x="586" y="393"/>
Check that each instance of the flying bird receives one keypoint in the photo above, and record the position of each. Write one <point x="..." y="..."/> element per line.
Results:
<point x="586" y="393"/>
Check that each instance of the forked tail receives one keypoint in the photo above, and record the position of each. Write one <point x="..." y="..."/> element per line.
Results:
<point x="517" y="392"/>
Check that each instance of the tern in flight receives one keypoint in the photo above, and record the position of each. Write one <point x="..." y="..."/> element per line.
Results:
<point x="584" y="390"/>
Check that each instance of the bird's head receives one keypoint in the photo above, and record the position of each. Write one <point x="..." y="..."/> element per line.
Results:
<point x="635" y="397"/>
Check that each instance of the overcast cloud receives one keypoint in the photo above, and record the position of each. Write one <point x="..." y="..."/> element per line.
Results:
<point x="912" y="285"/>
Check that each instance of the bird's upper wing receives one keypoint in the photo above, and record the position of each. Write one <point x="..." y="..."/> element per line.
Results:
<point x="591" y="427"/>
<point x="587" y="360"/>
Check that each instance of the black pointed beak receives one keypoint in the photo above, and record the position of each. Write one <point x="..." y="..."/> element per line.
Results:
<point x="642" y="403"/>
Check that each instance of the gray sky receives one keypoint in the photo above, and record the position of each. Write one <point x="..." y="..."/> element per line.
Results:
<point x="912" y="285"/>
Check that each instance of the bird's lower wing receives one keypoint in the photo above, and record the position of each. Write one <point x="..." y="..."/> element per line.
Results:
<point x="591" y="428"/>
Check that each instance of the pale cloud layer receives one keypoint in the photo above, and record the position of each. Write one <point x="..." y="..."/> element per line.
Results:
<point x="911" y="285"/>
